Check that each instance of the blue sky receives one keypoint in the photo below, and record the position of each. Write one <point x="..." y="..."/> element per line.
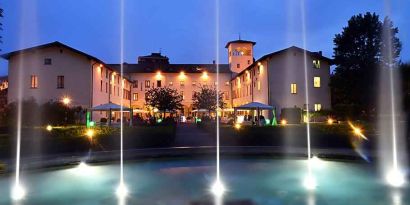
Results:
<point x="185" y="30"/>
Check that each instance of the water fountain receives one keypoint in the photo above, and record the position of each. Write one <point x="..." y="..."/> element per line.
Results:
<point x="391" y="151"/>
<point x="122" y="190"/>
<point x="218" y="187"/>
<point x="309" y="181"/>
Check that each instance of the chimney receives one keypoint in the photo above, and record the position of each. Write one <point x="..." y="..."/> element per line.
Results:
<point x="213" y="62"/>
<point x="320" y="53"/>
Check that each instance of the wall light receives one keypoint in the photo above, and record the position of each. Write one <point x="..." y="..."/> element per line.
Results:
<point x="205" y="75"/>
<point x="182" y="75"/>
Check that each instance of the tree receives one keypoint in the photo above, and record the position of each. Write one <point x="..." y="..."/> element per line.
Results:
<point x="358" y="56"/>
<point x="206" y="99"/>
<point x="405" y="73"/>
<point x="164" y="99"/>
<point x="1" y="25"/>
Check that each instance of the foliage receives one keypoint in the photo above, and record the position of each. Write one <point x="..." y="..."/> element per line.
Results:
<point x="33" y="114"/>
<point x="405" y="73"/>
<point x="1" y="25"/>
<point x="206" y="99"/>
<point x="358" y="56"/>
<point x="164" y="99"/>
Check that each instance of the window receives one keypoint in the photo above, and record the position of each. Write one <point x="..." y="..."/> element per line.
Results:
<point x="34" y="81"/>
<point x="318" y="107"/>
<point x="47" y="61"/>
<point x="249" y="62"/>
<point x="182" y="93"/>
<point x="158" y="83"/>
<point x="238" y="65"/>
<point x="259" y="85"/>
<point x="316" y="82"/>
<point x="135" y="96"/>
<point x="114" y="89"/>
<point x="226" y="95"/>
<point x="227" y="83"/>
<point x="106" y="87"/>
<point x="194" y="83"/>
<point x="106" y="73"/>
<point x="147" y="83"/>
<point x="60" y="82"/>
<point x="171" y="83"/>
<point x="316" y="63"/>
<point x="293" y="88"/>
<point x="118" y="91"/>
<point x="135" y="84"/>
<point x="102" y="72"/>
<point x="182" y="83"/>
<point x="101" y="86"/>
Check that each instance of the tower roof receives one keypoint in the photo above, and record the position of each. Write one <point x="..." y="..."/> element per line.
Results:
<point x="239" y="41"/>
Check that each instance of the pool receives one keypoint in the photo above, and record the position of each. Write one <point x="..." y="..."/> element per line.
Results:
<point x="259" y="181"/>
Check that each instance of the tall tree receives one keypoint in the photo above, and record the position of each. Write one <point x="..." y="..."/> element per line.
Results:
<point x="357" y="55"/>
<point x="205" y="98"/>
<point x="1" y="25"/>
<point x="164" y="99"/>
<point x="405" y="73"/>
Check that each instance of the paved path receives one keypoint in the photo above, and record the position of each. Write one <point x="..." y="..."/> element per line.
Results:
<point x="190" y="135"/>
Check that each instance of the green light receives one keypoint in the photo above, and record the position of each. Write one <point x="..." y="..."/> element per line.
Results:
<point x="198" y="120"/>
<point x="159" y="120"/>
<point x="267" y="121"/>
<point x="92" y="124"/>
<point x="88" y="118"/>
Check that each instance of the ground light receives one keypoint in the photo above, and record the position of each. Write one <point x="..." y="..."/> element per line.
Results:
<point x="49" y="128"/>
<point x="357" y="131"/>
<point x="395" y="178"/>
<point x="330" y="121"/>
<point x="121" y="191"/>
<point x="18" y="193"/>
<point x="90" y="133"/>
<point x="310" y="182"/>
<point x="284" y="122"/>
<point x="218" y="188"/>
<point x="238" y="126"/>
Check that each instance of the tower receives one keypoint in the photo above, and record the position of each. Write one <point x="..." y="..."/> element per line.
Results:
<point x="240" y="54"/>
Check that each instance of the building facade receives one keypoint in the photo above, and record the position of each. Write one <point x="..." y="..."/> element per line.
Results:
<point x="56" y="71"/>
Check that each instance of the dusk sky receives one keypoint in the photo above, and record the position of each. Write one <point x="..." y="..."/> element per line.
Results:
<point x="185" y="30"/>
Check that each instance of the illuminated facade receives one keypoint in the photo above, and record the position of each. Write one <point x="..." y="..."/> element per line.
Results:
<point x="55" y="71"/>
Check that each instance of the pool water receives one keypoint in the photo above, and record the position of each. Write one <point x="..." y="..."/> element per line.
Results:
<point x="185" y="182"/>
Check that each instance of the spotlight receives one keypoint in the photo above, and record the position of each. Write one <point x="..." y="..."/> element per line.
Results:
<point x="316" y="162"/>
<point x="283" y="122"/>
<point x="66" y="100"/>
<point x="49" y="128"/>
<point x="395" y="178"/>
<point x="238" y="126"/>
<point x="18" y="193"/>
<point x="218" y="189"/>
<point x="310" y="182"/>
<point x="121" y="191"/>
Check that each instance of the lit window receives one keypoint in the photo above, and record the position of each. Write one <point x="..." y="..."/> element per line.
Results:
<point x="194" y="83"/>
<point x="316" y="63"/>
<point x="34" y="81"/>
<point x="147" y="84"/>
<point x="182" y="83"/>
<point x="47" y="61"/>
<point x="171" y="83"/>
<point x="316" y="82"/>
<point x="60" y="82"/>
<point x="318" y="107"/>
<point x="135" y="96"/>
<point x="293" y="88"/>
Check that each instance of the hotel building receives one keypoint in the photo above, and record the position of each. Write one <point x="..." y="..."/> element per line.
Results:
<point x="56" y="71"/>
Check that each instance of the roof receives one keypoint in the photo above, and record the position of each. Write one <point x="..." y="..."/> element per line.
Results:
<point x="239" y="41"/>
<point x="295" y="48"/>
<point x="171" y="68"/>
<point x="253" y="106"/>
<point x="52" y="44"/>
